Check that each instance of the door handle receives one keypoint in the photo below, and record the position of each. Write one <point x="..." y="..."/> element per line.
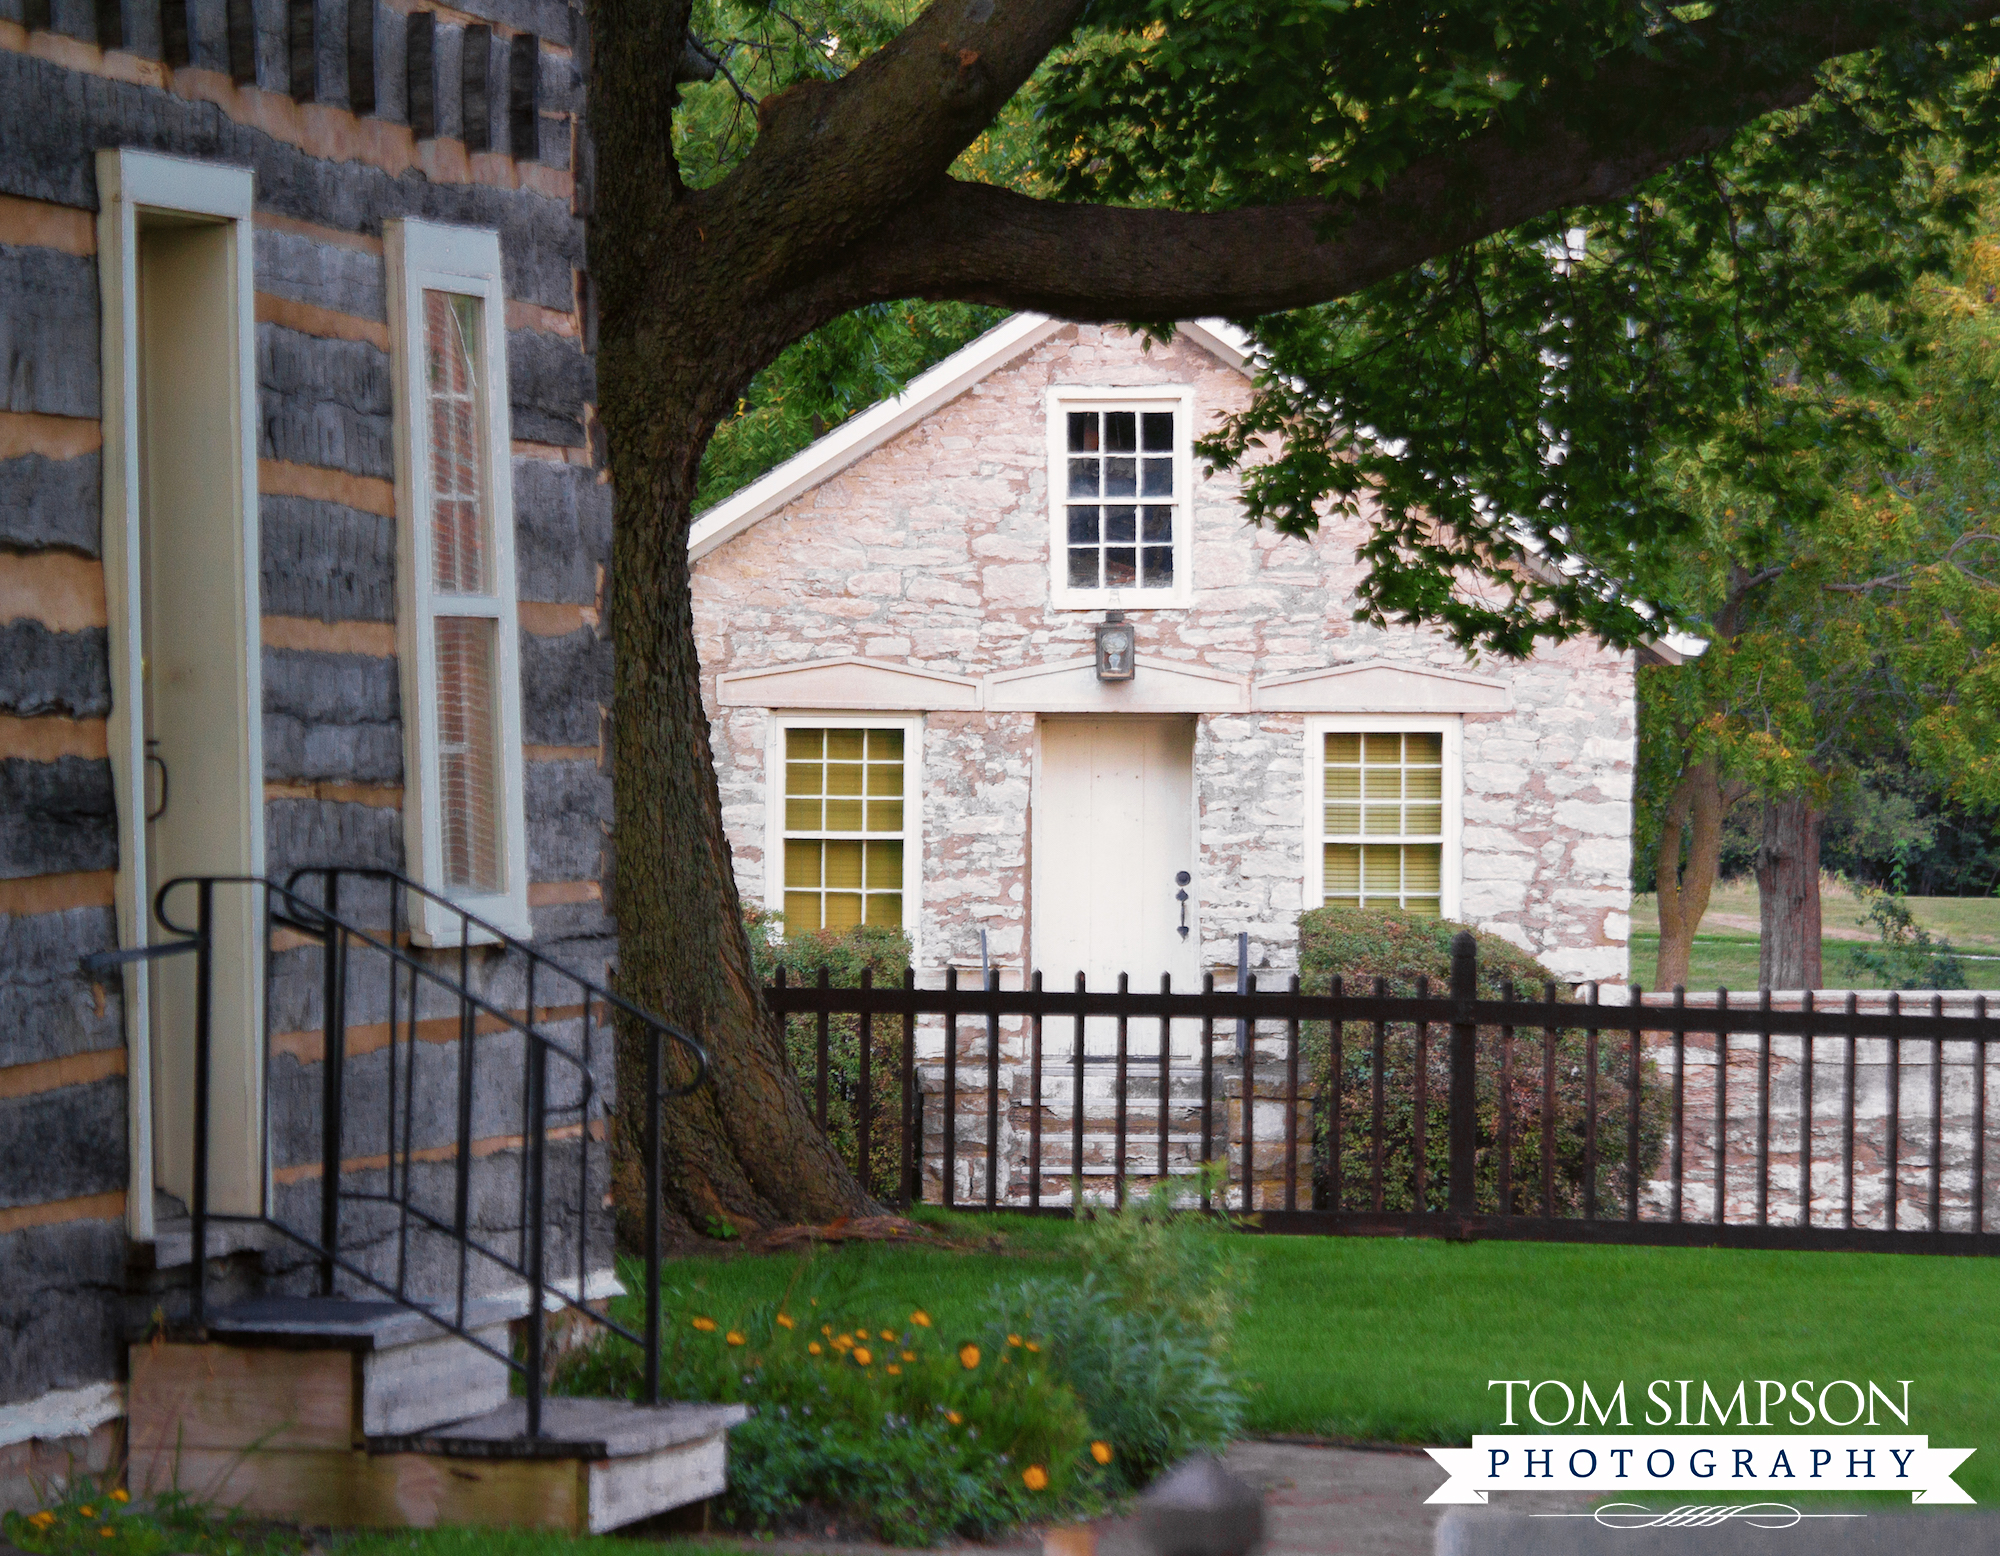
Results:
<point x="154" y="759"/>
<point x="1181" y="880"/>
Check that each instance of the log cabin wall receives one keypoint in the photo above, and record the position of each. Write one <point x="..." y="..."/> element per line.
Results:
<point x="349" y="113"/>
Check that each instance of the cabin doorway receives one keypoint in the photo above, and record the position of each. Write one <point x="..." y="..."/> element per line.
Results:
<point x="181" y="568"/>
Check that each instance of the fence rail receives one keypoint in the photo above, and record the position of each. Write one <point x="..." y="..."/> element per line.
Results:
<point x="1450" y="1114"/>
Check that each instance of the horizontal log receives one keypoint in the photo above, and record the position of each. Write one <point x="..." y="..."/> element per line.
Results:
<point x="51" y="117"/>
<point x="63" y="1144"/>
<point x="300" y="832"/>
<point x="48" y="331"/>
<point x="332" y="716"/>
<point x="323" y="273"/>
<point x="549" y="381"/>
<point x="49" y="1008"/>
<point x="56" y="817"/>
<point x="48" y="502"/>
<point x="327" y="560"/>
<point x="61" y="1291"/>
<point x="324" y="402"/>
<point x="563" y="682"/>
<point x="562" y="530"/>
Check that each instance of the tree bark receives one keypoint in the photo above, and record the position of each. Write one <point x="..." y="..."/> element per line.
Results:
<point x="1694" y="815"/>
<point x="1788" y="905"/>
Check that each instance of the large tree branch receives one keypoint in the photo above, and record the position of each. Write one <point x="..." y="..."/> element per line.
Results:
<point x="1595" y="142"/>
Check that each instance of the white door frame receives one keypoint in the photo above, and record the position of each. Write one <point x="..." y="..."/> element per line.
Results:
<point x="129" y="181"/>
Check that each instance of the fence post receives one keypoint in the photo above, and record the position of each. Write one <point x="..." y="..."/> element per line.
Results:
<point x="1464" y="1049"/>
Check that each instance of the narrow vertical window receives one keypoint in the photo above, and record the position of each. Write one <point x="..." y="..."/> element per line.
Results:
<point x="463" y="819"/>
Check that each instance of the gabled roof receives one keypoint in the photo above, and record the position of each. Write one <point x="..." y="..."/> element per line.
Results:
<point x="861" y="435"/>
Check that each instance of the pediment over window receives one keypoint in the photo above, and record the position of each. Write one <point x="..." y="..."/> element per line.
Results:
<point x="1383" y="686"/>
<point x="851" y="683"/>
<point x="1159" y="686"/>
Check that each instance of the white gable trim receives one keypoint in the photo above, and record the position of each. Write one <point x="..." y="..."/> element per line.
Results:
<point x="861" y="435"/>
<point x="1382" y="686"/>
<point x="849" y="682"/>
<point x="1161" y="686"/>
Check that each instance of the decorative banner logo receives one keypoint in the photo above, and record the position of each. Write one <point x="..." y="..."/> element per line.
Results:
<point x="1695" y="1515"/>
<point x="1699" y="1462"/>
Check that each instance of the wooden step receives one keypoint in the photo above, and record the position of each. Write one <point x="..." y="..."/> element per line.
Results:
<point x="599" y="1465"/>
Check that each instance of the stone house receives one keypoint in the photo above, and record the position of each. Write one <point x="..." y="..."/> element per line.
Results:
<point x="913" y="635"/>
<point x="302" y="547"/>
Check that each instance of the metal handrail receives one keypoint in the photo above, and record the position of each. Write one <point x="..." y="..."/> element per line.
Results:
<point x="341" y="938"/>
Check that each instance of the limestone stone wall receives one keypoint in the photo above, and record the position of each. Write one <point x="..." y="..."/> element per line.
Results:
<point x="933" y="551"/>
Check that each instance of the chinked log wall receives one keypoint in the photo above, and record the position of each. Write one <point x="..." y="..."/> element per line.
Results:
<point x="349" y="112"/>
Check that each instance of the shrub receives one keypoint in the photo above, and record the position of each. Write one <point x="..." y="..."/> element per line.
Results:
<point x="1362" y="946"/>
<point x="919" y="1435"/>
<point x="1907" y="957"/>
<point x="1144" y="1338"/>
<point x="92" y="1514"/>
<point x="845" y="954"/>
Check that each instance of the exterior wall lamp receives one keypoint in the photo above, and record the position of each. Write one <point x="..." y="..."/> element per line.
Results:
<point x="1117" y="645"/>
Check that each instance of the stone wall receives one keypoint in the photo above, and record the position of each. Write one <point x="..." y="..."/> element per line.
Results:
<point x="933" y="551"/>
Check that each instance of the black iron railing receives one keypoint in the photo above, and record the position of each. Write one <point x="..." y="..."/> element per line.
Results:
<point x="478" y="1025"/>
<point x="1351" y="1111"/>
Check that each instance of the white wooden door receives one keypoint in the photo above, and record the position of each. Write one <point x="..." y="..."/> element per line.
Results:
<point x="1114" y="828"/>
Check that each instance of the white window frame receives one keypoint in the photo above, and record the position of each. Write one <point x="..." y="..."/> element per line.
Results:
<point x="912" y="726"/>
<point x="1178" y="398"/>
<point x="1452" y="727"/>
<point x="425" y="256"/>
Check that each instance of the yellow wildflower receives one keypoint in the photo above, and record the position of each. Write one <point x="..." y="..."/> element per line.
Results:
<point x="121" y="1495"/>
<point x="1035" y="1478"/>
<point x="1034" y="1347"/>
<point x="921" y="1319"/>
<point x="909" y="1356"/>
<point x="893" y="1370"/>
<point x="813" y="1348"/>
<point x="43" y="1519"/>
<point x="705" y="1325"/>
<point x="888" y="1334"/>
<point x="88" y="1512"/>
<point x="968" y="1356"/>
<point x="954" y="1418"/>
<point x="734" y="1337"/>
<point x="1013" y="1339"/>
<point x="863" y="1355"/>
<point x="785" y="1321"/>
<point x="107" y="1532"/>
<point x="827" y="1330"/>
<point x="1101" y="1452"/>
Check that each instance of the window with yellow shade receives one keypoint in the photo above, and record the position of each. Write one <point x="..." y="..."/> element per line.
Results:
<point x="845" y="809"/>
<point x="1383" y="820"/>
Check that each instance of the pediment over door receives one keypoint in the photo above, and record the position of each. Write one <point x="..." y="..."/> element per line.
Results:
<point x="1157" y="686"/>
<point x="850" y="683"/>
<point x="1383" y="686"/>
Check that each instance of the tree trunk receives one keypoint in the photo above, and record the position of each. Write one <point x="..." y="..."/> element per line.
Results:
<point x="682" y="328"/>
<point x="1695" y="815"/>
<point x="1788" y="894"/>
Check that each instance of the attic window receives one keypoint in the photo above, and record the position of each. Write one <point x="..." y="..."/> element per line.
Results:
<point x="1119" y="479"/>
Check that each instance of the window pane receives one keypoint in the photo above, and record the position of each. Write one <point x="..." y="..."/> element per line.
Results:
<point x="885" y="815"/>
<point x="845" y="777"/>
<point x="1159" y="478"/>
<point x="460" y="556"/>
<point x="1424" y="783"/>
<point x="1343" y="783"/>
<point x="1083" y="526"/>
<point x="1343" y="820"/>
<point x="1121" y="432"/>
<point x="802" y="815"/>
<point x="1343" y="748"/>
<point x="1423" y="867"/>
<point x="885" y="866"/>
<point x="885" y="777"/>
<point x="1383" y="785"/>
<point x="1158" y="429"/>
<point x="846" y="745"/>
<point x="1423" y="907"/>
<point x="802" y="860"/>
<point x="801" y="911"/>
<point x="1159" y="524"/>
<point x="1083" y="477"/>
<point x="886" y="907"/>
<point x="803" y="777"/>
<point x="1381" y="871"/>
<point x="1083" y="567"/>
<point x="1121" y="567"/>
<point x="1343" y="869"/>
<point x="843" y="815"/>
<point x="884" y="745"/>
<point x="1121" y="477"/>
<point x="1383" y="820"/>
<point x="1422" y="819"/>
<point x="1158" y="567"/>
<point x="843" y="865"/>
<point x="805" y="745"/>
<point x="843" y="909"/>
<point x="468" y="753"/>
<point x="1121" y="525"/>
<point x="1426" y="748"/>
<point x="1083" y="431"/>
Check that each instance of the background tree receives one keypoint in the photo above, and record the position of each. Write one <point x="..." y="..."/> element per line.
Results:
<point x="1197" y="157"/>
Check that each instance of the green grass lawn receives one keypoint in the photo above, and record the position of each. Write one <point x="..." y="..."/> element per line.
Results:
<point x="1386" y="1339"/>
<point x="1725" y="948"/>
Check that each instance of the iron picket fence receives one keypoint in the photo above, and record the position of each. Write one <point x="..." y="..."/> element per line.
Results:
<point x="1361" y="1112"/>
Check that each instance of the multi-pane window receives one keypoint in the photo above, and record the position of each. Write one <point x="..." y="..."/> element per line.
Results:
<point x="1120" y="497"/>
<point x="1384" y="820"/>
<point x="845" y="812"/>
<point x="459" y="647"/>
